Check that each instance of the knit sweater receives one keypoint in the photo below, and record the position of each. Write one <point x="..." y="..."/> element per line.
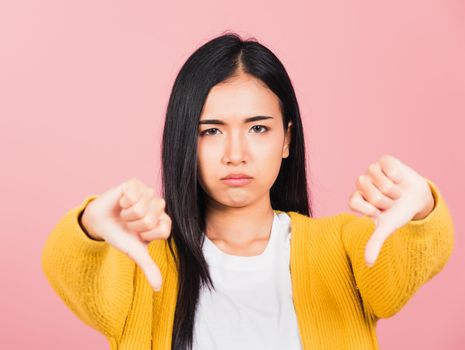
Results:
<point x="338" y="299"/>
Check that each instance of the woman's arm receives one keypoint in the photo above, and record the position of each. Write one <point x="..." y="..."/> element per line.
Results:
<point x="409" y="258"/>
<point x="94" y="279"/>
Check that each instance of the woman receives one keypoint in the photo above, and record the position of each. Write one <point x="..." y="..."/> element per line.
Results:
<point x="231" y="248"/>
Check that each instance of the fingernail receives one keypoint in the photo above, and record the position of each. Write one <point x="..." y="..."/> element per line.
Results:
<point x="157" y="290"/>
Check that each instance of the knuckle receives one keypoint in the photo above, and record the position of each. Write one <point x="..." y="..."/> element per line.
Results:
<point x="146" y="236"/>
<point x="135" y="185"/>
<point x="135" y="180"/>
<point x="372" y="168"/>
<point x="166" y="233"/>
<point x="148" y="221"/>
<point x="165" y="226"/>
<point x="130" y="225"/>
<point x="388" y="156"/>
<point x="351" y="205"/>
<point x="123" y="214"/>
<point x="384" y="156"/>
<point x="377" y="199"/>
<point x="386" y="188"/>
<point x="138" y="211"/>
<point x="165" y="217"/>
<point x="131" y="182"/>
<point x="352" y="201"/>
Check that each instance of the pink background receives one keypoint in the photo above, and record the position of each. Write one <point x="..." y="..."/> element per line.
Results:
<point x="84" y="86"/>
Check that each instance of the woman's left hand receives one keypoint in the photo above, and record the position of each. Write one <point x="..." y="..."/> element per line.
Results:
<point x="392" y="194"/>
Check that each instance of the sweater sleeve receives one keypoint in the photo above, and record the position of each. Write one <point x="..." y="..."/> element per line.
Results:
<point x="408" y="259"/>
<point x="94" y="279"/>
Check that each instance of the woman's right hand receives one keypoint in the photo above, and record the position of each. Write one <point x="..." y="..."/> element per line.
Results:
<point x="128" y="217"/>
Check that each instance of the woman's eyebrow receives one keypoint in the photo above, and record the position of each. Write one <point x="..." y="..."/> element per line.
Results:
<point x="247" y="120"/>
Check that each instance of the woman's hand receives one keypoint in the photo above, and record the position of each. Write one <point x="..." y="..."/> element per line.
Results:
<point x="128" y="217"/>
<point x="392" y="194"/>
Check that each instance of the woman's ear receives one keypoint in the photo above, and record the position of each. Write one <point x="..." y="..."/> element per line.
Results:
<point x="287" y="140"/>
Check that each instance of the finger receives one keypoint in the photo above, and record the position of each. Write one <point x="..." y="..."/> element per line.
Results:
<point x="374" y="245"/>
<point x="392" y="167"/>
<point x="161" y="231"/>
<point x="376" y="240"/>
<point x="150" y="219"/>
<point x="359" y="204"/>
<point x="371" y="194"/>
<point x="140" y="208"/>
<point x="382" y="182"/>
<point x="132" y="192"/>
<point x="385" y="225"/>
<point x="138" y="252"/>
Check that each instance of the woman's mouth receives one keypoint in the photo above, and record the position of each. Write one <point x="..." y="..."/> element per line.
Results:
<point x="237" y="181"/>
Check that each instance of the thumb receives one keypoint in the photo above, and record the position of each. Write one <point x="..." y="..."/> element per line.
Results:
<point x="375" y="243"/>
<point x="138" y="252"/>
<point x="130" y="244"/>
<point x="386" y="224"/>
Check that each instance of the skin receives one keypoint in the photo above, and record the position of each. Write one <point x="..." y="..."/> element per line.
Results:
<point x="393" y="194"/>
<point x="239" y="218"/>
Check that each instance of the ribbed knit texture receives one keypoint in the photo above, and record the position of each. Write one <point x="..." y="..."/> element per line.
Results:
<point x="337" y="298"/>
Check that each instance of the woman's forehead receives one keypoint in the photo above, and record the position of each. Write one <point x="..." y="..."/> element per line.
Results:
<point x="238" y="99"/>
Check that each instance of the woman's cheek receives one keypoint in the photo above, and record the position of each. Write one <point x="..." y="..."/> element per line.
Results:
<point x="208" y="176"/>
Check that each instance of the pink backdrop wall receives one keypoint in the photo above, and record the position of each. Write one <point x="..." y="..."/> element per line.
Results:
<point x="83" y="89"/>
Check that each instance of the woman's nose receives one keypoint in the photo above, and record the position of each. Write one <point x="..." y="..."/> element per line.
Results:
<point x="235" y="149"/>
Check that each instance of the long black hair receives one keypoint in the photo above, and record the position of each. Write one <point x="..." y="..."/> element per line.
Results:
<point x="214" y="62"/>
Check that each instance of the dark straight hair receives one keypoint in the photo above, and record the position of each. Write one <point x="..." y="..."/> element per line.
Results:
<point x="214" y="62"/>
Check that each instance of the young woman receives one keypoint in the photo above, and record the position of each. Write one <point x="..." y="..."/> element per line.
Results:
<point x="231" y="248"/>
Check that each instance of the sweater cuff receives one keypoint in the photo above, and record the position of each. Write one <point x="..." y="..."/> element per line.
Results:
<point x="434" y="221"/>
<point x="79" y="235"/>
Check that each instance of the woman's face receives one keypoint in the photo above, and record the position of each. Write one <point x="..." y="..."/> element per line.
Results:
<point x="227" y="143"/>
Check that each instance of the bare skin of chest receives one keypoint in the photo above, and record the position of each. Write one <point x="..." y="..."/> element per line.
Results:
<point x="253" y="248"/>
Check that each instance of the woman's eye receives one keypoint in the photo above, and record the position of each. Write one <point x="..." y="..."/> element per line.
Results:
<point x="260" y="126"/>
<point x="207" y="132"/>
<point x="255" y="127"/>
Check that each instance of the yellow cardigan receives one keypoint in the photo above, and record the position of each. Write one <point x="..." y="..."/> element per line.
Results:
<point x="337" y="298"/>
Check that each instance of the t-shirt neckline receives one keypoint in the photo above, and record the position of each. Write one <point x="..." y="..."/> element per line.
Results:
<point x="216" y="257"/>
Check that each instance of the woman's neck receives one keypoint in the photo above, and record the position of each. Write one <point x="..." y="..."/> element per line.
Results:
<point x="239" y="226"/>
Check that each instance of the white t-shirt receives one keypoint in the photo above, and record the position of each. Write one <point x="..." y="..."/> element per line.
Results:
<point x="252" y="306"/>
